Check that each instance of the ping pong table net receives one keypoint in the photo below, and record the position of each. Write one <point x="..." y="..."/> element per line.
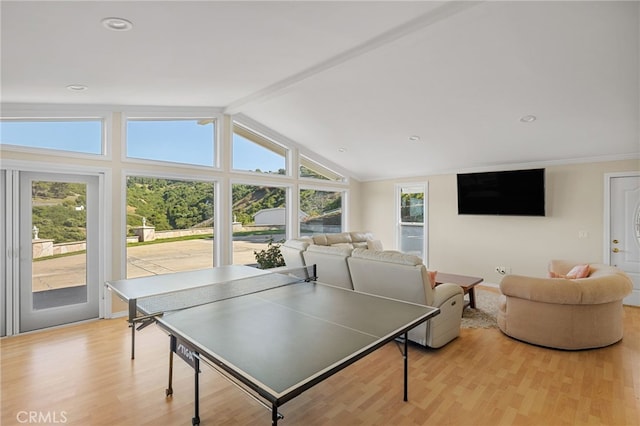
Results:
<point x="187" y="298"/>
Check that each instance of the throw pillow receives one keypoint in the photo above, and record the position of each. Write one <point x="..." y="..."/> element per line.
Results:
<point x="578" y="271"/>
<point x="432" y="278"/>
<point x="374" y="245"/>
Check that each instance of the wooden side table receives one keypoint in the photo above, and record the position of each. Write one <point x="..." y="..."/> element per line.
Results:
<point x="466" y="282"/>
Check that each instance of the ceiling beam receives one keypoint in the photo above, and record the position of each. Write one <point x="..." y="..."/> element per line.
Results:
<point x="431" y="17"/>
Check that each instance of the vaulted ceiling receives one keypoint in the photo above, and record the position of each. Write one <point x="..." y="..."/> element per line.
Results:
<point x="355" y="81"/>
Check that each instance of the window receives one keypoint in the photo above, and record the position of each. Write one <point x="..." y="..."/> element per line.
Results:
<point x="259" y="216"/>
<point x="186" y="141"/>
<point x="256" y="153"/>
<point x="320" y="211"/>
<point x="169" y="225"/>
<point x="412" y="219"/>
<point x="81" y="136"/>
<point x="314" y="170"/>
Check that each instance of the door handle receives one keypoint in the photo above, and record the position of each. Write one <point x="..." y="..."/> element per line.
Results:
<point x="615" y="241"/>
<point x="615" y="250"/>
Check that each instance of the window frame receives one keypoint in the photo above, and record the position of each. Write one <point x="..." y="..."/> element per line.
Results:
<point x="267" y="138"/>
<point x="33" y="114"/>
<point x="173" y="115"/>
<point x="344" y="223"/>
<point x="302" y="159"/>
<point x="155" y="174"/>
<point x="288" y="190"/>
<point x="424" y="186"/>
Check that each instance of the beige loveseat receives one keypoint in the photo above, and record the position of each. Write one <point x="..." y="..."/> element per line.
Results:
<point x="565" y="313"/>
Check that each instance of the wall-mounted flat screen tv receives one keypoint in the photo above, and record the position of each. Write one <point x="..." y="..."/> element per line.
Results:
<point x="509" y="193"/>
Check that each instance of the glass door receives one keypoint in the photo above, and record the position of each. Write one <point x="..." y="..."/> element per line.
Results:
<point x="58" y="278"/>
<point x="3" y="250"/>
<point x="412" y="220"/>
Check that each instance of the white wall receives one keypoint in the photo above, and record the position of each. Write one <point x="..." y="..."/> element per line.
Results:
<point x="475" y="245"/>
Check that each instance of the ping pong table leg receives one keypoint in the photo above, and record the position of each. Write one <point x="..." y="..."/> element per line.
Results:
<point x="132" y="324"/>
<point x="133" y="340"/>
<point x="406" y="365"/>
<point x="196" y="403"/>
<point x="169" y="390"/>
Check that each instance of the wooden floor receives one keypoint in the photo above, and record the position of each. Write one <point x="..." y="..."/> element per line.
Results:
<point x="82" y="375"/>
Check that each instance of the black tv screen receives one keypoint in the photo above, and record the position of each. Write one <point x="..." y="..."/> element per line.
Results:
<point x="510" y="193"/>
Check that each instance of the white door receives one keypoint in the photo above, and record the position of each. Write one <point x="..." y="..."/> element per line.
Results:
<point x="59" y="249"/>
<point x="624" y="230"/>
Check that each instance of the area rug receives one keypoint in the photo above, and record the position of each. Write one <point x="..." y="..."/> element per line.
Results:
<point x="485" y="312"/>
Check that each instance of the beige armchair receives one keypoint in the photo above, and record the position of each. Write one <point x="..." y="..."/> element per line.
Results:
<point x="565" y="313"/>
<point x="404" y="277"/>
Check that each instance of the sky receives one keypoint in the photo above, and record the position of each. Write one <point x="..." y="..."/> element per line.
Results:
<point x="181" y="141"/>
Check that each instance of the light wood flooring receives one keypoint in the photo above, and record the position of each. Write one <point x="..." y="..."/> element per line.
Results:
<point x="82" y="375"/>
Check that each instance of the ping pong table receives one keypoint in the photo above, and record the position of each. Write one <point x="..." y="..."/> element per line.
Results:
<point x="274" y="334"/>
<point x="169" y="285"/>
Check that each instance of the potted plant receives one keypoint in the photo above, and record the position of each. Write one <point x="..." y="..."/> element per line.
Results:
<point x="271" y="257"/>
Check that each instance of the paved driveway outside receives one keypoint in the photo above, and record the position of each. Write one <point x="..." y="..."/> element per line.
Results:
<point x="145" y="260"/>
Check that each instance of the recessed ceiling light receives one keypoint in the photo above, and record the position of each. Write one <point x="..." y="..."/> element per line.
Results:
<point x="528" y="118"/>
<point x="342" y="149"/>
<point x="77" y="87"/>
<point x="117" y="24"/>
<point x="414" y="138"/>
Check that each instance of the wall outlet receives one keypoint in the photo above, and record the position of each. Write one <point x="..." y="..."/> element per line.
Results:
<point x="503" y="270"/>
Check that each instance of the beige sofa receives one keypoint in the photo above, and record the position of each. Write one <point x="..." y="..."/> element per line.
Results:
<point x="404" y="277"/>
<point x="293" y="250"/>
<point x="565" y="313"/>
<point x="356" y="239"/>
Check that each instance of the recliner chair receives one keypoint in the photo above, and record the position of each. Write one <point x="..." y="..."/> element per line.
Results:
<point x="331" y="264"/>
<point x="405" y="277"/>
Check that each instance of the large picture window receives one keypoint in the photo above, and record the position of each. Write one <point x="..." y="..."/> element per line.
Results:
<point x="186" y="141"/>
<point x="83" y="136"/>
<point x="169" y="225"/>
<point x="259" y="217"/>
<point x="320" y="211"/>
